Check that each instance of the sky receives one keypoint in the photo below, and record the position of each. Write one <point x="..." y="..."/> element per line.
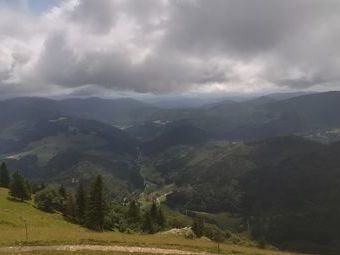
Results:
<point x="168" y="47"/>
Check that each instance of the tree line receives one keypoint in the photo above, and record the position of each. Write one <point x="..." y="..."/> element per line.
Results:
<point x="19" y="187"/>
<point x="90" y="207"/>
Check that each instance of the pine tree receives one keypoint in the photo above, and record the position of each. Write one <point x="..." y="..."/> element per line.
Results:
<point x="154" y="211"/>
<point x="62" y="191"/>
<point x="148" y="223"/>
<point x="29" y="188"/>
<point x="198" y="226"/>
<point x="81" y="204"/>
<point x="96" y="206"/>
<point x="70" y="207"/>
<point x="19" y="187"/>
<point x="134" y="211"/>
<point x="154" y="219"/>
<point x="4" y="176"/>
<point x="161" y="220"/>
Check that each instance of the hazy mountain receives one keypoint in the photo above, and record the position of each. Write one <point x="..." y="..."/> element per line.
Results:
<point x="274" y="185"/>
<point x="121" y="112"/>
<point x="278" y="186"/>
<point x="69" y="150"/>
<point x="249" y="121"/>
<point x="180" y="135"/>
<point x="185" y="102"/>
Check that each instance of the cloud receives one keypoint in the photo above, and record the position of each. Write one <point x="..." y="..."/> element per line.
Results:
<point x="162" y="46"/>
<point x="95" y="16"/>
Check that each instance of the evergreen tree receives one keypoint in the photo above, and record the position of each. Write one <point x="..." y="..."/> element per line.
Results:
<point x="198" y="226"/>
<point x="148" y="223"/>
<point x="161" y="220"/>
<point x="4" y="176"/>
<point x="29" y="188"/>
<point x="70" y="207"/>
<point x="154" y="211"/>
<point x="134" y="211"/>
<point x="62" y="191"/>
<point x="37" y="187"/>
<point x="154" y="219"/>
<point x="96" y="206"/>
<point x="19" y="187"/>
<point x="81" y="204"/>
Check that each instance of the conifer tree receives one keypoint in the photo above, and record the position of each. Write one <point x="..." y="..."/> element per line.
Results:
<point x="4" y="176"/>
<point x="161" y="220"/>
<point x="62" y="191"/>
<point x="28" y="187"/>
<point x="134" y="211"/>
<point x="154" y="211"/>
<point x="70" y="206"/>
<point x="19" y="187"/>
<point x="96" y="206"/>
<point x="81" y="204"/>
<point x="148" y="223"/>
<point x="198" y="226"/>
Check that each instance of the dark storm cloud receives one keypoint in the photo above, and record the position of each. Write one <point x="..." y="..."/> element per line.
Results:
<point x="243" y="26"/>
<point x="59" y="64"/>
<point x="162" y="46"/>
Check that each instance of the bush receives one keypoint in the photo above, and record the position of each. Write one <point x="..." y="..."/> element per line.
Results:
<point x="214" y="233"/>
<point x="49" y="200"/>
<point x="177" y="222"/>
<point x="198" y="226"/>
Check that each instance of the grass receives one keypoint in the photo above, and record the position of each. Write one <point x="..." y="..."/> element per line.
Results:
<point x="73" y="253"/>
<point x="52" y="229"/>
<point x="225" y="221"/>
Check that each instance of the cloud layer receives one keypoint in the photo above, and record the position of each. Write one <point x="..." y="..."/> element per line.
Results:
<point x="170" y="46"/>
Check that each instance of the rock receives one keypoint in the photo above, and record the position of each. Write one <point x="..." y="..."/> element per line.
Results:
<point x="204" y="238"/>
<point x="184" y="232"/>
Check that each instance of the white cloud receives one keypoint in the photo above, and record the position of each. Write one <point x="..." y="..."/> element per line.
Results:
<point x="162" y="46"/>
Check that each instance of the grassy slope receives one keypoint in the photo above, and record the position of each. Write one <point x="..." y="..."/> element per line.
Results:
<point x="45" y="228"/>
<point x="73" y="253"/>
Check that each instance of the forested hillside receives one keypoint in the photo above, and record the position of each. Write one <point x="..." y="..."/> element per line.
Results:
<point x="257" y="163"/>
<point x="278" y="187"/>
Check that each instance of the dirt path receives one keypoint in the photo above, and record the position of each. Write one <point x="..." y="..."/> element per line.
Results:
<point x="128" y="249"/>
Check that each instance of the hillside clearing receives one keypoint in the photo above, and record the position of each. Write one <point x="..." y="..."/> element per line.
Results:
<point x="51" y="230"/>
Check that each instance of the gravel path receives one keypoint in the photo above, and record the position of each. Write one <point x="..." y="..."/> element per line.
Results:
<point x="128" y="249"/>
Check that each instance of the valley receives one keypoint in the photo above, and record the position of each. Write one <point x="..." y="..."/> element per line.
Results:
<point x="263" y="178"/>
<point x="187" y="127"/>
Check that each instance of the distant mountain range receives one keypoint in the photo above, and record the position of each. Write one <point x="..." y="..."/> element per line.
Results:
<point x="256" y="159"/>
<point x="24" y="119"/>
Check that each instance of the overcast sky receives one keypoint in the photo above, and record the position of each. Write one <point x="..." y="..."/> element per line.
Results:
<point x="108" y="47"/>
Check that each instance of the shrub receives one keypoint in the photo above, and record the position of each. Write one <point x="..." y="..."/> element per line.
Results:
<point x="49" y="200"/>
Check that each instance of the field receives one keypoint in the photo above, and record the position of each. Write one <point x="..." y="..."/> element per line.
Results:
<point x="51" y="229"/>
